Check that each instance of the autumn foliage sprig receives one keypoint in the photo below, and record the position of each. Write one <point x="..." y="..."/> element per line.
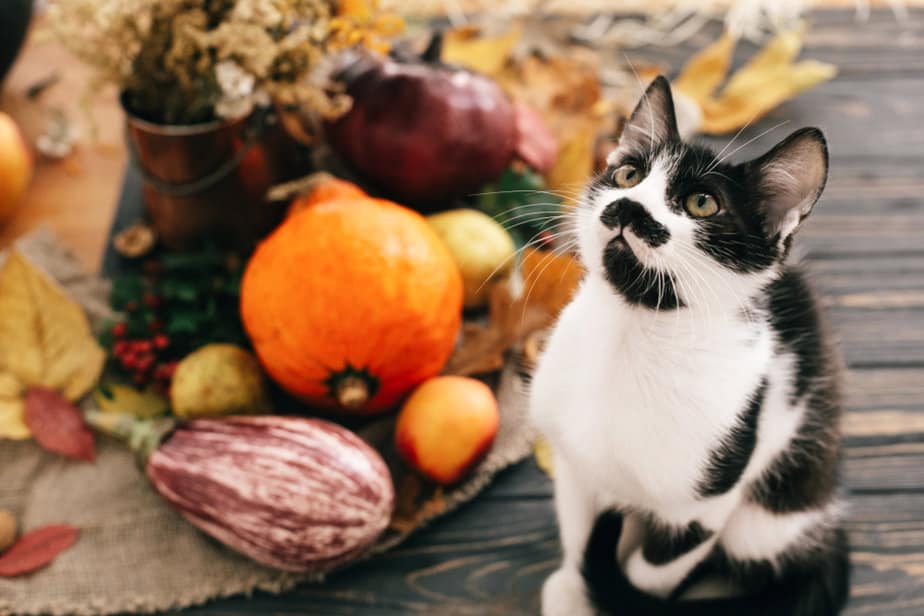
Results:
<point x="174" y="305"/>
<point x="189" y="61"/>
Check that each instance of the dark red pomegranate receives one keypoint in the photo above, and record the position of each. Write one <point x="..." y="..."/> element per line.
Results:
<point x="424" y="131"/>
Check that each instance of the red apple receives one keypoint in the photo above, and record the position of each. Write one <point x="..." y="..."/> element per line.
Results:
<point x="15" y="166"/>
<point x="446" y="426"/>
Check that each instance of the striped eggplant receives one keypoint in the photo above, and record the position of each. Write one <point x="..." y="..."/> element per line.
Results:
<point x="292" y="493"/>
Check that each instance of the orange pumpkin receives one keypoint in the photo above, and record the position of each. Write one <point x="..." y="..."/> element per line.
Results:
<point x="352" y="302"/>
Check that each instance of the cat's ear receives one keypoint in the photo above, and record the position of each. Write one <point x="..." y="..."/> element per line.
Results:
<point x="653" y="122"/>
<point x="791" y="177"/>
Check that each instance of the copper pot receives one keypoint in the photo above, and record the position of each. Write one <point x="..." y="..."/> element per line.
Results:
<point x="208" y="181"/>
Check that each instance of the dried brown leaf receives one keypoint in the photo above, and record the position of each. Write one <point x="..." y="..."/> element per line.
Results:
<point x="415" y="503"/>
<point x="510" y="321"/>
<point x="560" y="88"/>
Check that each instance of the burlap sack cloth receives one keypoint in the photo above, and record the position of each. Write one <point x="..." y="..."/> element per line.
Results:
<point x="134" y="553"/>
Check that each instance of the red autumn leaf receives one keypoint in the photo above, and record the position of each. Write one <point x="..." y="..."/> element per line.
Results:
<point x="536" y="144"/>
<point x="57" y="424"/>
<point x="36" y="549"/>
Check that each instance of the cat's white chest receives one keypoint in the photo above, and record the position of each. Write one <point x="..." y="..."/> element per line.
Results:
<point x="635" y="406"/>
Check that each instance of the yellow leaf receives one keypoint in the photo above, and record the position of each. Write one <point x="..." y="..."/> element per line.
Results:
<point x="575" y="163"/>
<point x="700" y="77"/>
<point x="772" y="88"/>
<point x="542" y="452"/>
<point x="767" y="80"/>
<point x="550" y="279"/>
<point x="12" y="424"/>
<point x="361" y="10"/>
<point x="781" y="51"/>
<point x="45" y="338"/>
<point x="117" y="398"/>
<point x="484" y="54"/>
<point x="10" y="387"/>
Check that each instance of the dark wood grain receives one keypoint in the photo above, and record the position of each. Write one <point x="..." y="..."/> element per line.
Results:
<point x="865" y="248"/>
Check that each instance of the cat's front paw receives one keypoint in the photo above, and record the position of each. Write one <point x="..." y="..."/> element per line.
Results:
<point x="564" y="594"/>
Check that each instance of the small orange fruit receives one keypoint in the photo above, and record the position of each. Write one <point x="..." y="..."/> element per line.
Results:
<point x="446" y="426"/>
<point x="15" y="166"/>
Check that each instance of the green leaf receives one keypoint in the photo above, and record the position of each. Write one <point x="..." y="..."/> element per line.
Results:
<point x="181" y="290"/>
<point x="126" y="289"/>
<point x="199" y="261"/>
<point x="184" y="322"/>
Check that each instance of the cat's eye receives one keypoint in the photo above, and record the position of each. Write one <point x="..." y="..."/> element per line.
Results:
<point x="627" y="176"/>
<point x="701" y="205"/>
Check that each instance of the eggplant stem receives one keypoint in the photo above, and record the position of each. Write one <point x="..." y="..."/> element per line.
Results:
<point x="434" y="50"/>
<point x="143" y="436"/>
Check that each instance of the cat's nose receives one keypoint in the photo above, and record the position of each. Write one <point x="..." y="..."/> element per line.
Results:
<point x="611" y="213"/>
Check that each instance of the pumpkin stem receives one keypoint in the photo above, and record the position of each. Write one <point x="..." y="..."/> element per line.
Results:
<point x="352" y="392"/>
<point x="434" y="50"/>
<point x="298" y="186"/>
<point x="352" y="387"/>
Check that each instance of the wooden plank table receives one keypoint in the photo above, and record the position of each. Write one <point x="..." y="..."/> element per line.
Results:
<point x="865" y="244"/>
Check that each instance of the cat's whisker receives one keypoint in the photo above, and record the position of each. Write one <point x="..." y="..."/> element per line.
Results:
<point x="651" y="123"/>
<point x="739" y="303"/>
<point x="515" y="191"/>
<point x="516" y="254"/>
<point x="536" y="208"/>
<point x="549" y="258"/>
<point x="751" y="140"/>
<point x="688" y="261"/>
<point x="539" y="216"/>
<point x="715" y="159"/>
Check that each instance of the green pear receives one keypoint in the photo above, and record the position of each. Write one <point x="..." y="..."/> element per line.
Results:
<point x="481" y="247"/>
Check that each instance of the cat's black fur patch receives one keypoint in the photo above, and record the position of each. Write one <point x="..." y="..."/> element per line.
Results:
<point x="805" y="475"/>
<point x="815" y="584"/>
<point x="729" y="459"/>
<point x="735" y="236"/>
<point x="639" y="285"/>
<point x="630" y="214"/>
<point x="664" y="543"/>
<point x="797" y="324"/>
<point x="819" y="575"/>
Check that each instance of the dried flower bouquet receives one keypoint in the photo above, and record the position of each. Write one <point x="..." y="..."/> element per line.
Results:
<point x="190" y="61"/>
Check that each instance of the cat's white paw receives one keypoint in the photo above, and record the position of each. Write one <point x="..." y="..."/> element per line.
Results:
<point x="564" y="594"/>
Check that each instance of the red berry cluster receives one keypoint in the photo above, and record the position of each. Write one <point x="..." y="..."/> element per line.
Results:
<point x="145" y="360"/>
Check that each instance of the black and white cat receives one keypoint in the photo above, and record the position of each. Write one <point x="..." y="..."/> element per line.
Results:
<point x="689" y="391"/>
